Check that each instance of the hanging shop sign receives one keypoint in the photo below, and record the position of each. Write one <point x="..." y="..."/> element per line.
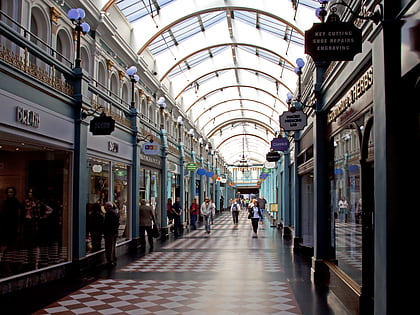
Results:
<point x="102" y="125"/>
<point x="293" y="120"/>
<point x="150" y="148"/>
<point x="333" y="41"/>
<point x="201" y="171"/>
<point x="279" y="144"/>
<point x="273" y="156"/>
<point x="191" y="166"/>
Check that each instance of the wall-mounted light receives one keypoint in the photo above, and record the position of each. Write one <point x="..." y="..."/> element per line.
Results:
<point x="296" y="103"/>
<point x="161" y="102"/>
<point x="134" y="78"/>
<point x="76" y="16"/>
<point x="321" y="12"/>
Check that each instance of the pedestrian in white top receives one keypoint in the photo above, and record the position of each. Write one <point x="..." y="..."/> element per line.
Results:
<point x="206" y="210"/>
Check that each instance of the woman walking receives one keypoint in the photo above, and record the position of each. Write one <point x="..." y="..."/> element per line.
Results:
<point x="254" y="214"/>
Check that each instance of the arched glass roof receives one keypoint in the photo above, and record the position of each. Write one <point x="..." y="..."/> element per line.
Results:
<point x="230" y="63"/>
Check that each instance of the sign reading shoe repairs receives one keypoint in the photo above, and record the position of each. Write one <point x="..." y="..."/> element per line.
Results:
<point x="296" y="120"/>
<point x="333" y="41"/>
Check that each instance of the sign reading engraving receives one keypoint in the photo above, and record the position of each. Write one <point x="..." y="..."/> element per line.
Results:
<point x="333" y="41"/>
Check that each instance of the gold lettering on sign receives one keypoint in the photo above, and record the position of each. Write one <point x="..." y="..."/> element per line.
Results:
<point x="364" y="83"/>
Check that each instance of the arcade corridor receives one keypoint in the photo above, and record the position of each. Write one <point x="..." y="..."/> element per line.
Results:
<point x="225" y="272"/>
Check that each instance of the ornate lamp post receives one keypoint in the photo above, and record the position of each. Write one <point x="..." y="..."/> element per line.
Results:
<point x="76" y="16"/>
<point x="134" y="78"/>
<point x="180" y="122"/>
<point x="164" y="179"/>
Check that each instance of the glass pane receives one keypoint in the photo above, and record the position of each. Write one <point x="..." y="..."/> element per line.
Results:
<point x="34" y="213"/>
<point x="98" y="195"/>
<point x="120" y="184"/>
<point x="346" y="203"/>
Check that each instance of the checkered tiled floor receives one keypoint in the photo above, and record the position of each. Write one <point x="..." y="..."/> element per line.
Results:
<point x="178" y="297"/>
<point x="224" y="272"/>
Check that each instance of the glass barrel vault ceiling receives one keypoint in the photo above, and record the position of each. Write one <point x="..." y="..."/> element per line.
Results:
<point x="230" y="63"/>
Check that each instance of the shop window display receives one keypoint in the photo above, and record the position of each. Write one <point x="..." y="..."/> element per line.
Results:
<point x="346" y="203"/>
<point x="108" y="182"/>
<point x="34" y="207"/>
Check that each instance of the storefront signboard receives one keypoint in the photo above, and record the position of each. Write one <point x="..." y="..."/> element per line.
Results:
<point x="280" y="144"/>
<point x="151" y="148"/>
<point x="293" y="120"/>
<point x="333" y="41"/>
<point x="272" y="156"/>
<point x="191" y="166"/>
<point x="102" y="125"/>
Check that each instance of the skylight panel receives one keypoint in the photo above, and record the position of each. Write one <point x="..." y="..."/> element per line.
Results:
<point x="137" y="9"/>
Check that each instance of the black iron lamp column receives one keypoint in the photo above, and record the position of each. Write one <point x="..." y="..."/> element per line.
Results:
<point x="164" y="179"/>
<point x="201" y="143"/>
<point x="76" y="16"/>
<point x="180" y="122"/>
<point x="216" y="183"/>
<point x="80" y="176"/>
<point x="192" y="173"/>
<point x="135" y="183"/>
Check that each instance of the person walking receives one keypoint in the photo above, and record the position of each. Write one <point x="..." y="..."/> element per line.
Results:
<point x="213" y="211"/>
<point x="206" y="212"/>
<point x="194" y="211"/>
<point x="111" y="224"/>
<point x="262" y="204"/>
<point x="147" y="219"/>
<point x="235" y="208"/>
<point x="255" y="215"/>
<point x="177" y="211"/>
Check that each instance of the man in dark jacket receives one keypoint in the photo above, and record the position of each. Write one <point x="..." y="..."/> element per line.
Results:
<point x="147" y="219"/>
<point x="177" y="209"/>
<point x="262" y="205"/>
<point x="111" y="224"/>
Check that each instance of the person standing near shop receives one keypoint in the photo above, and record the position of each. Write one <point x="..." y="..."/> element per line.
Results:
<point x="10" y="214"/>
<point x="254" y="214"/>
<point x="206" y="212"/>
<point x="235" y="208"/>
<point x="262" y="204"/>
<point x="342" y="209"/>
<point x="194" y="211"/>
<point x="95" y="226"/>
<point x="177" y="211"/>
<point x="111" y="224"/>
<point x="146" y="218"/>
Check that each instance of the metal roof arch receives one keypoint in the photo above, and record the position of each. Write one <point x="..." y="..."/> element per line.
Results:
<point x="231" y="100"/>
<point x="164" y="21"/>
<point x="255" y="70"/>
<point x="233" y="86"/>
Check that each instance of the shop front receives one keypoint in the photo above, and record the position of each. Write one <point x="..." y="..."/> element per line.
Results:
<point x="109" y="170"/>
<point x="351" y="149"/>
<point x="36" y="183"/>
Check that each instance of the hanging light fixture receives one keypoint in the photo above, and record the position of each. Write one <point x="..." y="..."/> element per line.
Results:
<point x="243" y="162"/>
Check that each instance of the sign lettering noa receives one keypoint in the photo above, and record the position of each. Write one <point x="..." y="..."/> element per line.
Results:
<point x="333" y="41"/>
